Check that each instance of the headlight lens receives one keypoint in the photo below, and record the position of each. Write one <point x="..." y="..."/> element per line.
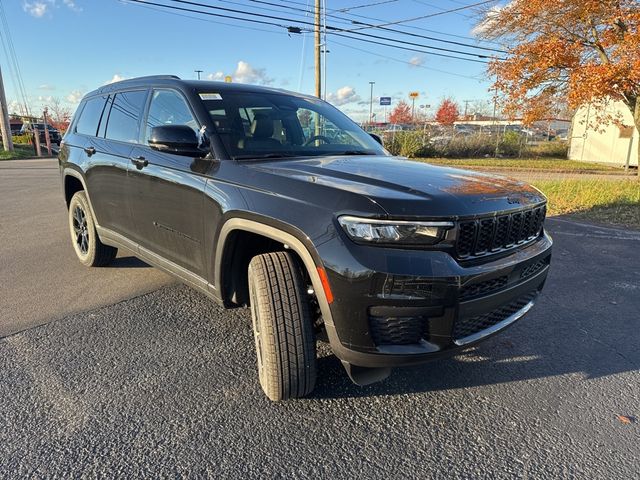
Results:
<point x="399" y="232"/>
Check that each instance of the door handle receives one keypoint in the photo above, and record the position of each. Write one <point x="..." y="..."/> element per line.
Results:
<point x="140" y="162"/>
<point x="90" y="150"/>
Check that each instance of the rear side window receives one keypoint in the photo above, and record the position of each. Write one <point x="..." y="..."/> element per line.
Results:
<point x="124" y="117"/>
<point x="90" y="116"/>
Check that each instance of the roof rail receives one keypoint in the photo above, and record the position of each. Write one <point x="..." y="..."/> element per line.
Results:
<point x="152" y="77"/>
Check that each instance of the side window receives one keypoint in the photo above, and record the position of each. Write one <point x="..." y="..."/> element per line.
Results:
<point x="124" y="116"/>
<point x="169" y="108"/>
<point x="89" y="119"/>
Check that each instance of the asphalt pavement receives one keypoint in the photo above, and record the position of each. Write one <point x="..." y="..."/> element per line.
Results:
<point x="164" y="384"/>
<point x="40" y="276"/>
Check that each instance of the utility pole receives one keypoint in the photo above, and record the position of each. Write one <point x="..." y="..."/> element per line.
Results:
<point x="371" y="104"/>
<point x="318" y="42"/>
<point x="198" y="72"/>
<point x="466" y="103"/>
<point x="5" y="126"/>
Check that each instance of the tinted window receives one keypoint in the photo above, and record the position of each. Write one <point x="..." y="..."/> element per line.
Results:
<point x="124" y="117"/>
<point x="90" y="116"/>
<point x="169" y="108"/>
<point x="254" y="124"/>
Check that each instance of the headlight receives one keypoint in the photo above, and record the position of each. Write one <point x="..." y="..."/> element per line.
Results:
<point x="400" y="232"/>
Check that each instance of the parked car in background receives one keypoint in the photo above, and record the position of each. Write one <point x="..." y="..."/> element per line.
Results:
<point x="562" y="134"/>
<point x="54" y="134"/>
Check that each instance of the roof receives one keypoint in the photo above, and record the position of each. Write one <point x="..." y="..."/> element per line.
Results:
<point x="201" y="85"/>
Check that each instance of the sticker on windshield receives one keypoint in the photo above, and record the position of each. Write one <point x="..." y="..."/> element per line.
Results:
<point x="210" y="96"/>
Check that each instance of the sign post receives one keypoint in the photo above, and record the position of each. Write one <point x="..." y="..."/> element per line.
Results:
<point x="385" y="101"/>
<point x="413" y="96"/>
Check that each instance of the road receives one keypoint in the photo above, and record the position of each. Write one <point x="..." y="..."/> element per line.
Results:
<point x="41" y="277"/>
<point x="163" y="384"/>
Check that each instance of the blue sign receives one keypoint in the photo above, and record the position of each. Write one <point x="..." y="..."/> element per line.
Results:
<point x="385" y="100"/>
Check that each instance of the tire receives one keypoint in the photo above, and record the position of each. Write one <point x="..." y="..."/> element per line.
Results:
<point x="282" y="326"/>
<point x="84" y="238"/>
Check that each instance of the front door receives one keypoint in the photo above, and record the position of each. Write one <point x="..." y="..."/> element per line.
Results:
<point x="167" y="191"/>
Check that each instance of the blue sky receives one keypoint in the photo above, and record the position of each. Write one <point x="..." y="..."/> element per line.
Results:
<point x="68" y="47"/>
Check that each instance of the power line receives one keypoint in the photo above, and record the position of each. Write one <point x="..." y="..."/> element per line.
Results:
<point x="333" y="29"/>
<point x="394" y="30"/>
<point x="13" y="59"/>
<point x="168" y="8"/>
<point x="200" y="19"/>
<point x="408" y="48"/>
<point x="405" y="62"/>
<point x="366" y="5"/>
<point x="366" y="17"/>
<point x="431" y="15"/>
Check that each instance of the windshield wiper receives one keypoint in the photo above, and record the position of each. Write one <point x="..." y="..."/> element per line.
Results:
<point x="355" y="152"/>
<point x="264" y="155"/>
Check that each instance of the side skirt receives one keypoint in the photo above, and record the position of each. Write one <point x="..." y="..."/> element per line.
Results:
<point x="109" y="237"/>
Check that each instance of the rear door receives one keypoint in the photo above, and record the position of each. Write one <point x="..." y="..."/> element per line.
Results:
<point x="167" y="190"/>
<point x="110" y="155"/>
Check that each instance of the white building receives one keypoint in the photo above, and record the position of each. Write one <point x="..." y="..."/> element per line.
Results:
<point x="616" y="145"/>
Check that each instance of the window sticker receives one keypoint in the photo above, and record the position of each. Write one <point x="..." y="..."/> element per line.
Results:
<point x="210" y="96"/>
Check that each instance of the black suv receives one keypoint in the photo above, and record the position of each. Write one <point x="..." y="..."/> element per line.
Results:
<point x="276" y="200"/>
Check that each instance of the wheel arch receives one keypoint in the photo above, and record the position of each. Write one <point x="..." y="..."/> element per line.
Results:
<point x="71" y="180"/>
<point x="307" y="255"/>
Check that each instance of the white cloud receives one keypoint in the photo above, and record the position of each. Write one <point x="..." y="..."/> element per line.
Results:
<point x="489" y="20"/>
<point x="244" y="73"/>
<point x="46" y="86"/>
<point x="37" y="9"/>
<point x="74" y="96"/>
<point x="417" y="61"/>
<point x="343" y="96"/>
<point x="116" y="78"/>
<point x="218" y="76"/>
<point x="71" y="4"/>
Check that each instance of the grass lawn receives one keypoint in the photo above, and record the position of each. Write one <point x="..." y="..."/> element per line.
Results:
<point x="19" y="151"/>
<point x="547" y="164"/>
<point x="615" y="202"/>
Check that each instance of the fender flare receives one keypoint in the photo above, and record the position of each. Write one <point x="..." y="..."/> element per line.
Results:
<point x="74" y="173"/>
<point x="278" y="235"/>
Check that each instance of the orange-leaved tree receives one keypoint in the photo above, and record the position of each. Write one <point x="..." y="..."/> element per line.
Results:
<point x="448" y="112"/>
<point x="401" y="113"/>
<point x="567" y="51"/>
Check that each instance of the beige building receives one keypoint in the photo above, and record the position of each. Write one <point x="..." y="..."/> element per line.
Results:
<point x="614" y="144"/>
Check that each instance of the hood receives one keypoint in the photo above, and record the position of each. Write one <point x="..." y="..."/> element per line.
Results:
<point x="405" y="188"/>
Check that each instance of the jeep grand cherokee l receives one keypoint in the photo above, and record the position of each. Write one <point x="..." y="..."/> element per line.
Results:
<point x="276" y="200"/>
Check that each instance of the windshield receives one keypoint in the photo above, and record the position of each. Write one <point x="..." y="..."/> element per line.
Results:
<point x="272" y="125"/>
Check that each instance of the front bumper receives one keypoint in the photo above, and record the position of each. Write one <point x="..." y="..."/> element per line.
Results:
<point x="425" y="305"/>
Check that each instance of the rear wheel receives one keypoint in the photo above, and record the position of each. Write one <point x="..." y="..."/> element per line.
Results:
<point x="282" y="326"/>
<point x="88" y="247"/>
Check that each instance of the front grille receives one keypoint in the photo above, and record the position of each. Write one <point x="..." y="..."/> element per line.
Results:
<point x="483" y="288"/>
<point x="397" y="330"/>
<point x="468" y="326"/>
<point x="492" y="234"/>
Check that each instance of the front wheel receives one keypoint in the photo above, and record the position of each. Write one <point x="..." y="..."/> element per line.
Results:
<point x="282" y="326"/>
<point x="88" y="247"/>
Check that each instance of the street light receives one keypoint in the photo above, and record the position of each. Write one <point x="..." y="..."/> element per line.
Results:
<point x="371" y="104"/>
<point x="198" y="72"/>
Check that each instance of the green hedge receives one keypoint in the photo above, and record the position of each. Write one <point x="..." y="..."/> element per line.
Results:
<point x="414" y="144"/>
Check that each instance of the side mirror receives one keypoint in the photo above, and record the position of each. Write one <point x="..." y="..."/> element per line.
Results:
<point x="376" y="138"/>
<point x="176" y="139"/>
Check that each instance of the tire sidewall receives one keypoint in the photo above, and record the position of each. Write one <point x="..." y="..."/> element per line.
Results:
<point x="80" y="199"/>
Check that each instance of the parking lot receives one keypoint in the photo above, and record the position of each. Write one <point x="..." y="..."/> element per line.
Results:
<point x="121" y="371"/>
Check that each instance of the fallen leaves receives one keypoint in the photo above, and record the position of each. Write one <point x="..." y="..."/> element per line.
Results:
<point x="626" y="419"/>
